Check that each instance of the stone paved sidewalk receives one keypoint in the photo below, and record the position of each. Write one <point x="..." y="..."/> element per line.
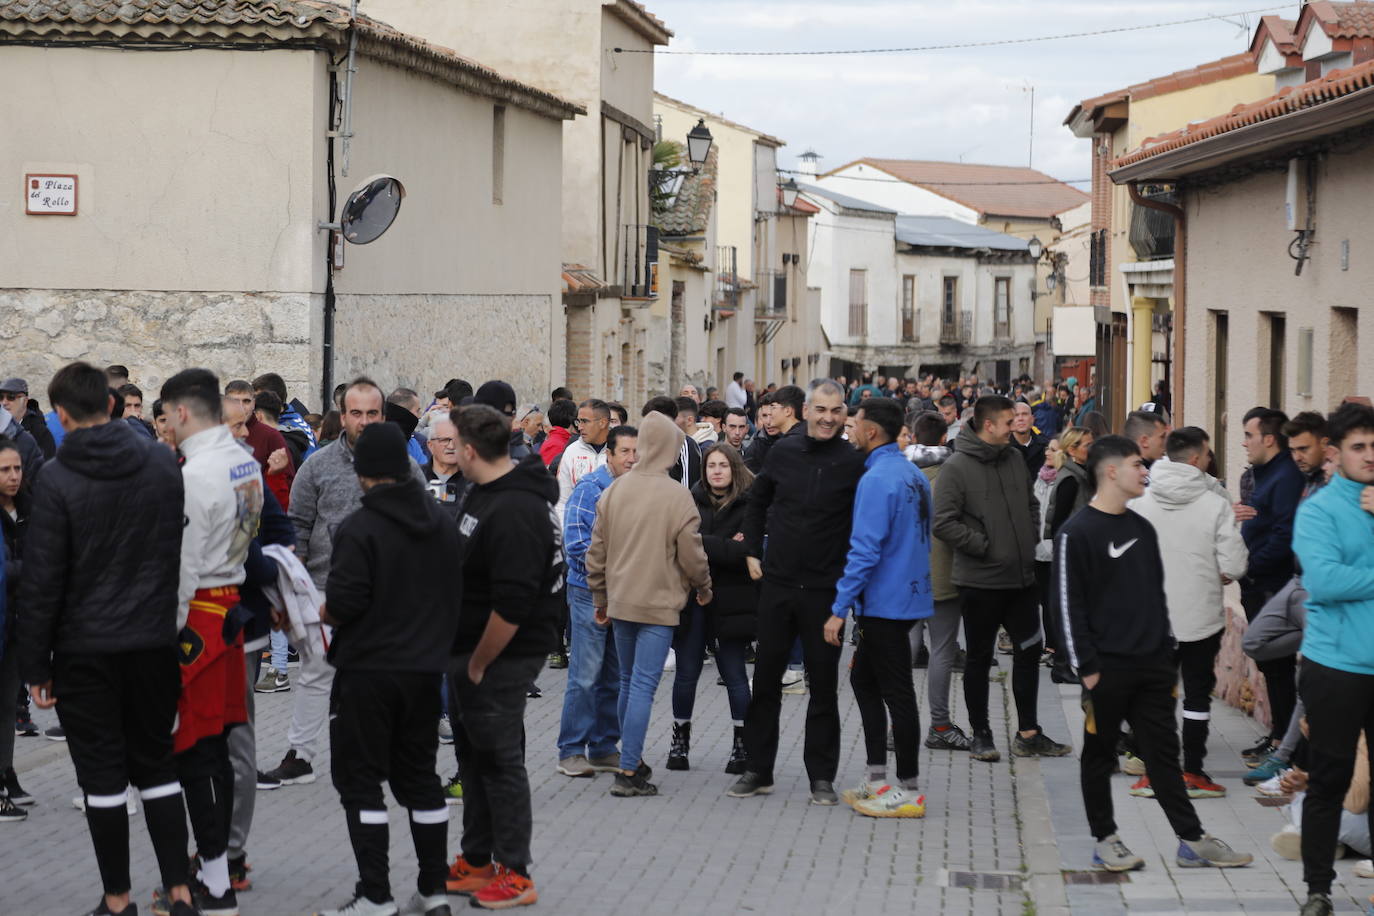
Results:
<point x="693" y="850"/>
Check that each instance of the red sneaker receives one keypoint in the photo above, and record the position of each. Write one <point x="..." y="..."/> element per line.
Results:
<point x="1142" y="788"/>
<point x="463" y="878"/>
<point x="1199" y="786"/>
<point x="510" y="889"/>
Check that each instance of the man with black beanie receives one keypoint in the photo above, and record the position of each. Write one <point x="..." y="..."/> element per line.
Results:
<point x="394" y="622"/>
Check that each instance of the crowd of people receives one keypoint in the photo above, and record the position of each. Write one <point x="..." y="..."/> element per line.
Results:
<point x="764" y="528"/>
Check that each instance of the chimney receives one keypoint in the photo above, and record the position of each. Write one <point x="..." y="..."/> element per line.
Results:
<point x="806" y="165"/>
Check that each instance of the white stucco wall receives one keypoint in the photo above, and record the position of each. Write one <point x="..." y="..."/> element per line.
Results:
<point x="1246" y="273"/>
<point x="878" y="187"/>
<point x="844" y="242"/>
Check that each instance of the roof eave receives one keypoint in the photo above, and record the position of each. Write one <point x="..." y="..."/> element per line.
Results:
<point x="1252" y="140"/>
<point x="639" y="19"/>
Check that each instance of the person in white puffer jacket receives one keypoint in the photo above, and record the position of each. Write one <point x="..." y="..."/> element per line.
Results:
<point x="1202" y="550"/>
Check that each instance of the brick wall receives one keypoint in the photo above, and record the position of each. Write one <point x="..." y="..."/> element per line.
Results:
<point x="579" y="350"/>
<point x="1101" y="204"/>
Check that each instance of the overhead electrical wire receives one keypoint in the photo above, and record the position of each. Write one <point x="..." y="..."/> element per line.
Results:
<point x="952" y="46"/>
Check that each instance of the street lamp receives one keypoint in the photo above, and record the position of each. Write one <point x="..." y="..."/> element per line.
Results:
<point x="1036" y="248"/>
<point x="698" y="144"/>
<point x="789" y="193"/>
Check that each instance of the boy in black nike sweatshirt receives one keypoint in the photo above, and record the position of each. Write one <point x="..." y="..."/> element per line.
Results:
<point x="395" y="620"/>
<point x="1109" y="587"/>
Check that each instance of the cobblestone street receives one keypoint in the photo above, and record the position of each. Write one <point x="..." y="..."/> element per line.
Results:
<point x="1013" y="829"/>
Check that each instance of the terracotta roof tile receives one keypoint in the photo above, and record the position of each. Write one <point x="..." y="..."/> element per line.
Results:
<point x="578" y="278"/>
<point x="1210" y="72"/>
<point x="997" y="189"/>
<point x="1336" y="84"/>
<point x="1353" y="20"/>
<point x="691" y="209"/>
<point x="256" y="21"/>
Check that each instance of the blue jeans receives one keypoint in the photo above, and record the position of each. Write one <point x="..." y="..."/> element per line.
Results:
<point x="643" y="649"/>
<point x="690" y="643"/>
<point x="279" y="646"/>
<point x="591" y="720"/>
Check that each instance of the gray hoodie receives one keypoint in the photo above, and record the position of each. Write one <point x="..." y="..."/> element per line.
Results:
<point x="985" y="511"/>
<point x="326" y="491"/>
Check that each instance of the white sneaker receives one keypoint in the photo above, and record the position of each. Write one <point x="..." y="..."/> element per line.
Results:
<point x="1288" y="842"/>
<point x="361" y="906"/>
<point x="1364" y="869"/>
<point x="419" y="905"/>
<point x="891" y="801"/>
<point x="131" y="806"/>
<point x="445" y="730"/>
<point x="793" y="681"/>
<point x="670" y="663"/>
<point x="865" y="790"/>
<point x="1272" y="787"/>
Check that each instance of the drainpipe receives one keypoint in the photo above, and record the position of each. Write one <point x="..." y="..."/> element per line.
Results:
<point x="1180" y="299"/>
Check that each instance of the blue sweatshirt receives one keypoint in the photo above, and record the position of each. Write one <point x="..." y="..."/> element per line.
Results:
<point x="1333" y="538"/>
<point x="887" y="571"/>
<point x="579" y="514"/>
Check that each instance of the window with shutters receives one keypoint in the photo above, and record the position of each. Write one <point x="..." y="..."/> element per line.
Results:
<point x="858" y="303"/>
<point x="1002" y="308"/>
<point x="909" y="307"/>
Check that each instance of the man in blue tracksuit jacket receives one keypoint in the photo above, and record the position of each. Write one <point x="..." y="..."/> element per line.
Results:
<point x="886" y="583"/>
<point x="1334" y="540"/>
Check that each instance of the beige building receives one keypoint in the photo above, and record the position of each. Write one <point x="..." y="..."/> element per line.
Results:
<point x="751" y="312"/>
<point x="616" y="324"/>
<point x="1277" y="267"/>
<point x="201" y="179"/>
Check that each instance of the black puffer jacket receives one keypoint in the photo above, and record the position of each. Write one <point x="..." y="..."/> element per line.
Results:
<point x="13" y="530"/>
<point x="733" y="612"/>
<point x="103" y="551"/>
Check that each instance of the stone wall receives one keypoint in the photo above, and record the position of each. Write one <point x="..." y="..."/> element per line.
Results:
<point x="155" y="334"/>
<point x="421" y="341"/>
<point x="1239" y="682"/>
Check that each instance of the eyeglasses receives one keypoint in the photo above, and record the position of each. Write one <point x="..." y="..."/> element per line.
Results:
<point x="443" y="441"/>
<point x="13" y="395"/>
<point x="580" y="421"/>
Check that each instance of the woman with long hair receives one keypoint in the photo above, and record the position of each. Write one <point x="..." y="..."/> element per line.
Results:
<point x="14" y="517"/>
<point x="730" y="618"/>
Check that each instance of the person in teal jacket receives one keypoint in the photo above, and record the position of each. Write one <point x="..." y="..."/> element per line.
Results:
<point x="886" y="585"/>
<point x="1334" y="540"/>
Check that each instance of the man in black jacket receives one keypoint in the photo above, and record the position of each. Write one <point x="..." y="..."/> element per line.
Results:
<point x="986" y="513"/>
<point x="99" y="629"/>
<point x="512" y="603"/>
<point x="1110" y="597"/>
<point x="14" y="397"/>
<point x="804" y="502"/>
<point x="394" y="621"/>
<point x="31" y="453"/>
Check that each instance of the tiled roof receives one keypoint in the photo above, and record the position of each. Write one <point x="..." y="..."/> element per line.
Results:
<point x="579" y="279"/>
<point x="802" y="205"/>
<point x="691" y="210"/>
<point x="1279" y="30"/>
<point x="1336" y="84"/>
<point x="948" y="232"/>
<point x="638" y="17"/>
<point x="1201" y="75"/>
<point x="1344" y="20"/>
<point x="261" y="21"/>
<point x="997" y="189"/>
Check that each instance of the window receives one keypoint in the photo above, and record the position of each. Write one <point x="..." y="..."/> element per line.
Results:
<point x="949" y="310"/>
<point x="909" y="307"/>
<point x="858" y="303"/>
<point x="498" y="153"/>
<point x="1002" y="308"/>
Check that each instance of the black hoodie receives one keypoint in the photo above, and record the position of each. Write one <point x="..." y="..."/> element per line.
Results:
<point x="512" y="559"/>
<point x="102" y="555"/>
<point x="388" y="591"/>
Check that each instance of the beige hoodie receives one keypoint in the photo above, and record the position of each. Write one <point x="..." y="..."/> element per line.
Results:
<point x="646" y="549"/>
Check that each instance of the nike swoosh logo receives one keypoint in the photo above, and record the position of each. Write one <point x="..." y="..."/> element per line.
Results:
<point x="1114" y="551"/>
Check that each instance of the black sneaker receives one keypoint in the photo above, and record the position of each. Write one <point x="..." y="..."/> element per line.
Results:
<point x="922" y="659"/>
<point x="534" y="692"/>
<point x="749" y="785"/>
<point x="739" y="761"/>
<point x="9" y="811"/>
<point x="644" y="771"/>
<point x="981" y="747"/>
<point x="226" y="904"/>
<point x="951" y="739"/>
<point x="823" y="793"/>
<point x="24" y="727"/>
<point x="56" y="733"/>
<point x="292" y="656"/>
<point x="558" y="660"/>
<point x="1038" y="745"/>
<point x="1063" y="674"/>
<point x="681" y="746"/>
<point x="267" y="781"/>
<point x="293" y="771"/>
<point x="632" y="786"/>
<point x="103" y="910"/>
<point x="13" y="790"/>
<point x="1254" y="756"/>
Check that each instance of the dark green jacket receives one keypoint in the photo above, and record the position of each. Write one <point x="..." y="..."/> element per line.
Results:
<point x="985" y="511"/>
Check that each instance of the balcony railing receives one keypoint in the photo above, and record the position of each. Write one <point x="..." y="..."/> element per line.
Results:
<point x="639" y="262"/>
<point x="1152" y="231"/>
<point x="959" y="331"/>
<point x="727" y="278"/>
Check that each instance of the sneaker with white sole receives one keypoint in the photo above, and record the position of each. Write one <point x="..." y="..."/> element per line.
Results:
<point x="1110" y="854"/>
<point x="293" y="771"/>
<point x="445" y="730"/>
<point x="1273" y="786"/>
<point x="890" y="801"/>
<point x="794" y="681"/>
<point x="361" y="906"/>
<point x="1363" y="869"/>
<point x="576" y="767"/>
<point x="10" y="812"/>
<point x="13" y="791"/>
<point x="432" y="905"/>
<point x="1132" y="765"/>
<point x="1210" y="852"/>
<point x="272" y="681"/>
<point x="1288" y="843"/>
<point x="607" y="764"/>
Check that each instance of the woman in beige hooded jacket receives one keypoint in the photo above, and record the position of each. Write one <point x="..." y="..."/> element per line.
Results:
<point x="645" y="556"/>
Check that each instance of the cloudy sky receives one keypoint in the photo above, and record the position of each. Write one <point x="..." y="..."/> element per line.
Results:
<point x="970" y="104"/>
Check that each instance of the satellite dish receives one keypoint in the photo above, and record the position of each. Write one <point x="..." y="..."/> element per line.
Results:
<point x="371" y="209"/>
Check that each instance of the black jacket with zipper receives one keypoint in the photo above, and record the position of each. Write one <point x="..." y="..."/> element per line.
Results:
<point x="13" y="531"/>
<point x="986" y="512"/>
<point x="389" y="591"/>
<point x="102" y="556"/>
<point x="733" y="611"/>
<point x="804" y="502"/>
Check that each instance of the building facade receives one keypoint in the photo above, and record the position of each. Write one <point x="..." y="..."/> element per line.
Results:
<point x="196" y="237"/>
